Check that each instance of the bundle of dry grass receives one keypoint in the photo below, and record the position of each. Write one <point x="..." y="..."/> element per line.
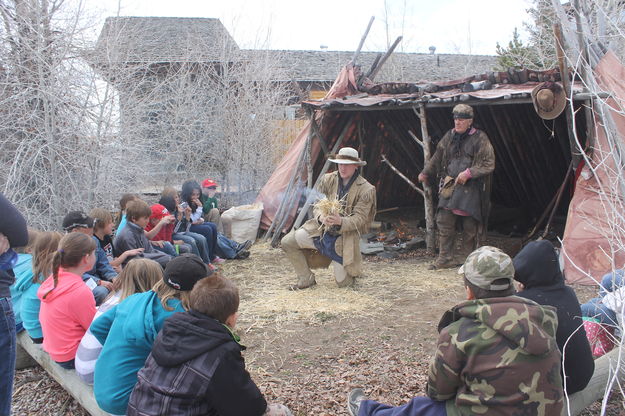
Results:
<point x="327" y="207"/>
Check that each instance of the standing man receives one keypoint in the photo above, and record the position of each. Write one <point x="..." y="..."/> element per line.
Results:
<point x="339" y="244"/>
<point x="464" y="160"/>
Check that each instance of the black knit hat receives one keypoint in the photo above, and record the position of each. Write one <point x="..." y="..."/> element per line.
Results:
<point x="184" y="271"/>
<point x="77" y="219"/>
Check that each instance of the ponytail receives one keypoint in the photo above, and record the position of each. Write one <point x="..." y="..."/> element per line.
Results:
<point x="72" y="248"/>
<point x="57" y="259"/>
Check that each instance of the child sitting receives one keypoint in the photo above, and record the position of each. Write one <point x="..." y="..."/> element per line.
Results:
<point x="182" y="224"/>
<point x="44" y="249"/>
<point x="196" y="362"/>
<point x="103" y="232"/>
<point x="133" y="235"/>
<point x="127" y="331"/>
<point x="125" y="199"/>
<point x="163" y="240"/>
<point x="139" y="275"/>
<point x="67" y="305"/>
<point x="23" y="271"/>
<point x="99" y="278"/>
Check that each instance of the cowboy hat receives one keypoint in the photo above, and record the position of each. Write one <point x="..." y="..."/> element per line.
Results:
<point x="347" y="156"/>
<point x="549" y="100"/>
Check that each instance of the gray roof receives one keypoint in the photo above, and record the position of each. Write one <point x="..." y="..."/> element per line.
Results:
<point x="126" y="40"/>
<point x="405" y="67"/>
<point x="162" y="39"/>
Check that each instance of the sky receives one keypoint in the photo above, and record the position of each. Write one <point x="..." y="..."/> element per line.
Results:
<point x="452" y="26"/>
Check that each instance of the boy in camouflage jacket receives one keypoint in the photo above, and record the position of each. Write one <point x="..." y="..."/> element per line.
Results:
<point x="496" y="354"/>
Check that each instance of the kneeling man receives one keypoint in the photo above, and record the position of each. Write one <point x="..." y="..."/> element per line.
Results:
<point x="336" y="236"/>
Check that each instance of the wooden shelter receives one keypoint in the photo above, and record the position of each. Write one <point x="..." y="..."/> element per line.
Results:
<point x="392" y="130"/>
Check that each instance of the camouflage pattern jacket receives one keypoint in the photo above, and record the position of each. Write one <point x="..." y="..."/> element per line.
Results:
<point x="498" y="356"/>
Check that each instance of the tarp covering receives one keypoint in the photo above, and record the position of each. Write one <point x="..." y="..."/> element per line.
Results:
<point x="273" y="192"/>
<point x="594" y="238"/>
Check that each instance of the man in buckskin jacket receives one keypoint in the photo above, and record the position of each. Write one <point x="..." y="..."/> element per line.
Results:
<point x="336" y="238"/>
<point x="464" y="161"/>
<point x="496" y="353"/>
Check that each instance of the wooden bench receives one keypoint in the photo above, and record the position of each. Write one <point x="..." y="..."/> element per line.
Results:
<point x="68" y="379"/>
<point x="605" y="367"/>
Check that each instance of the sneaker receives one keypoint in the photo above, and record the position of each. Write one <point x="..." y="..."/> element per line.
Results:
<point x="242" y="254"/>
<point x="354" y="398"/>
<point x="218" y="260"/>
<point x="246" y="245"/>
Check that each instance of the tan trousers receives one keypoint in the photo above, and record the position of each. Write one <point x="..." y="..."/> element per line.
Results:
<point x="293" y="243"/>
<point x="223" y="224"/>
<point x="446" y="223"/>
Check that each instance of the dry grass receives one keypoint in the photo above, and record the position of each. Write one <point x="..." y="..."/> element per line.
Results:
<point x="264" y="278"/>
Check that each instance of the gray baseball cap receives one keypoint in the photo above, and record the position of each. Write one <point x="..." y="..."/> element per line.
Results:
<point x="486" y="265"/>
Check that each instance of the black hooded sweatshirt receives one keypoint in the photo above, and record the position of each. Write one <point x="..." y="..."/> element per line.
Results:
<point x="537" y="267"/>
<point x="13" y="226"/>
<point x="195" y="368"/>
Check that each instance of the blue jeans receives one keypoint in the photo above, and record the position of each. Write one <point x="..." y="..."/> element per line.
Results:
<point x="417" y="406"/>
<point x="7" y="348"/>
<point x="595" y="309"/>
<point x="209" y="231"/>
<point x="197" y="242"/>
<point x="168" y="248"/>
<point x="227" y="248"/>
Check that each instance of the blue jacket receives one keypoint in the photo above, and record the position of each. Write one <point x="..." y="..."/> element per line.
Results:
<point x="101" y="269"/>
<point x="127" y="332"/>
<point x="23" y="271"/>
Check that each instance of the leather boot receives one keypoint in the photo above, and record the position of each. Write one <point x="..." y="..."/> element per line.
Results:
<point x="469" y="239"/>
<point x="340" y="275"/>
<point x="304" y="283"/>
<point x="446" y="223"/>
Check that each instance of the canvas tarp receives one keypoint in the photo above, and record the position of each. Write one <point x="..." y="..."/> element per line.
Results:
<point x="594" y="238"/>
<point x="273" y="192"/>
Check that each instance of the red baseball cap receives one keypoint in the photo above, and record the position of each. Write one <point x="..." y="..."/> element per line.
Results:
<point x="158" y="211"/>
<point x="209" y="183"/>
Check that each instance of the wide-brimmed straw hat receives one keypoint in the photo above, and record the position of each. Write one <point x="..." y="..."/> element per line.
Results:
<point x="347" y="156"/>
<point x="549" y="100"/>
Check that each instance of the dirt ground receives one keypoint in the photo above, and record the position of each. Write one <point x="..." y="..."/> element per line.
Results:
<point x="308" y="349"/>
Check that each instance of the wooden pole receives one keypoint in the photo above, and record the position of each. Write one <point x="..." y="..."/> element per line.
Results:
<point x="362" y="41"/>
<point x="428" y="200"/>
<point x="564" y="74"/>
<point x="384" y="58"/>
<point x="401" y="175"/>
<point x="416" y="139"/>
<point x="326" y="166"/>
<point x="558" y="197"/>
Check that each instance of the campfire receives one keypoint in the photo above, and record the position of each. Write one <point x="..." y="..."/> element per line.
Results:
<point x="393" y="239"/>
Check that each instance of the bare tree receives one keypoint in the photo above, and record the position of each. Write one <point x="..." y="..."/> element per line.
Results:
<point x="80" y="123"/>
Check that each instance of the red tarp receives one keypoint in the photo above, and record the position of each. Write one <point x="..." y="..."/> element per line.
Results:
<point x="594" y="237"/>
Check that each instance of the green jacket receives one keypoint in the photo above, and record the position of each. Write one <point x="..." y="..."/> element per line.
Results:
<point x="208" y="203"/>
<point x="499" y="357"/>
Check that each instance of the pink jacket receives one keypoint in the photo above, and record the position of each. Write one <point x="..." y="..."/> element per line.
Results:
<point x="65" y="314"/>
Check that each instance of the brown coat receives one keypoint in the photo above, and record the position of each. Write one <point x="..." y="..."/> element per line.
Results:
<point x="475" y="154"/>
<point x="360" y="208"/>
